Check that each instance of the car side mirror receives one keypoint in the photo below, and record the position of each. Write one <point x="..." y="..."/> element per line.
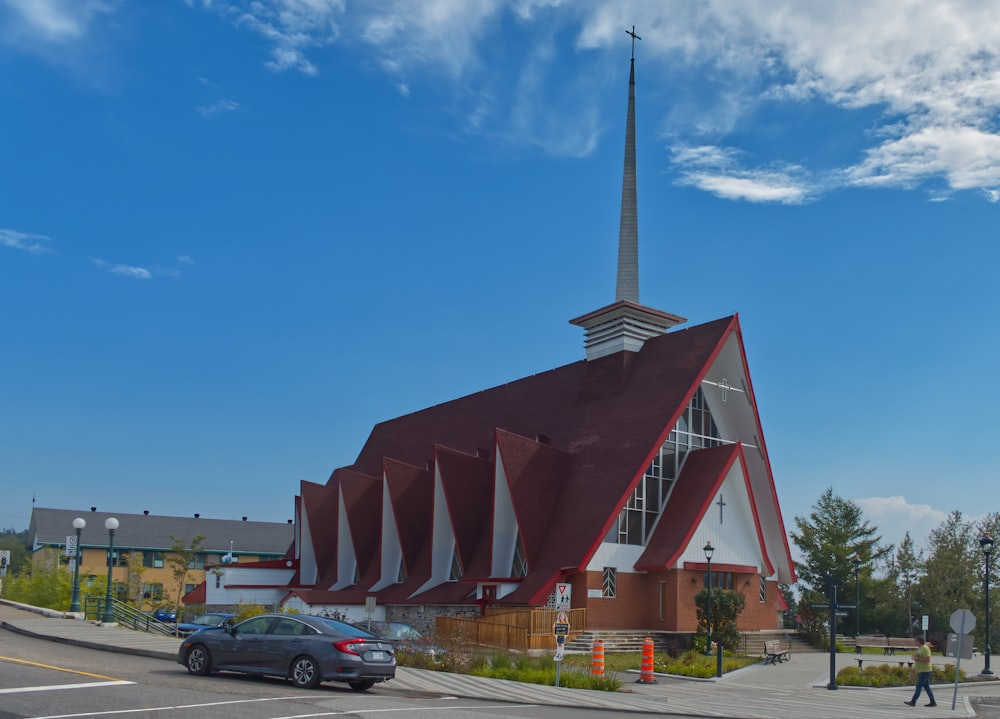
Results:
<point x="229" y="629"/>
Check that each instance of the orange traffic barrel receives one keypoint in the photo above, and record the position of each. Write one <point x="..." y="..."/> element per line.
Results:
<point x="597" y="659"/>
<point x="646" y="673"/>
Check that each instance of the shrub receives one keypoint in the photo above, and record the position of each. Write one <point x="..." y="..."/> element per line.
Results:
<point x="893" y="675"/>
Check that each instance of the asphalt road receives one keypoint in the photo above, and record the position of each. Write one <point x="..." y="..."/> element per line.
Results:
<point x="47" y="680"/>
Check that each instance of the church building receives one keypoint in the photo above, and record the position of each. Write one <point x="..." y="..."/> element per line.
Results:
<point x="596" y="485"/>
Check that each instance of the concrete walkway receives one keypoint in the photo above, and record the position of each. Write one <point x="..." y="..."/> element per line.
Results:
<point x="790" y="690"/>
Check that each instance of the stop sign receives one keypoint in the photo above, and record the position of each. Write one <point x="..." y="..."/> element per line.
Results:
<point x="962" y="621"/>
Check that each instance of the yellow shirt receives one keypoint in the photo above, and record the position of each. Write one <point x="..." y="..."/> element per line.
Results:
<point x="922" y="659"/>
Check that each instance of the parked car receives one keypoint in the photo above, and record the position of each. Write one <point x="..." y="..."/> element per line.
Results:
<point x="165" y="614"/>
<point x="404" y="637"/>
<point x="308" y="650"/>
<point x="208" y="620"/>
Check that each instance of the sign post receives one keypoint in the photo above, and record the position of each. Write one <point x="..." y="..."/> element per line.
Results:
<point x="832" y="607"/>
<point x="962" y="622"/>
<point x="560" y="630"/>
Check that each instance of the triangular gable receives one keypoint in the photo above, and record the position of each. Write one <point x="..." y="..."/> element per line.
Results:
<point x="411" y="492"/>
<point x="691" y="516"/>
<point x="318" y="550"/>
<point x="468" y="488"/>
<point x="536" y="475"/>
<point x="363" y="503"/>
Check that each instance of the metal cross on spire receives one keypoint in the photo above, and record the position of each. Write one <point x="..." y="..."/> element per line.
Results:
<point x="634" y="38"/>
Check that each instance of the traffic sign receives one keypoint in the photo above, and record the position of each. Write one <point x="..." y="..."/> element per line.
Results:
<point x="962" y="621"/>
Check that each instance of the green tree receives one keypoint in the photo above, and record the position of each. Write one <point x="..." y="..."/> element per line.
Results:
<point x="17" y="544"/>
<point x="833" y="533"/>
<point x="181" y="560"/>
<point x="952" y="572"/>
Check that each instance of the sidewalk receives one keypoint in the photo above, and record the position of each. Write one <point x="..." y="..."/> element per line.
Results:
<point x="790" y="690"/>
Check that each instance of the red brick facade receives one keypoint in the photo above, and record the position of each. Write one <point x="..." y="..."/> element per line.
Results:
<point x="665" y="601"/>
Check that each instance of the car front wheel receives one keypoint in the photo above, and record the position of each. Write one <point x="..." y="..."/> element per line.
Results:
<point x="199" y="661"/>
<point x="305" y="672"/>
<point x="363" y="685"/>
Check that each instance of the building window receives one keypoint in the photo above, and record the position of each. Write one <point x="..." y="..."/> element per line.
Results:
<point x="720" y="580"/>
<point x="763" y="590"/>
<point x="119" y="559"/>
<point x="218" y="581"/>
<point x="456" y="567"/>
<point x="188" y="588"/>
<point x="197" y="561"/>
<point x="153" y="560"/>
<point x="520" y="566"/>
<point x="695" y="429"/>
<point x="609" y="583"/>
<point x="154" y="591"/>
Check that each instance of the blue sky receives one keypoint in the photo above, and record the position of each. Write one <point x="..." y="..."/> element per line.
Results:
<point x="235" y="235"/>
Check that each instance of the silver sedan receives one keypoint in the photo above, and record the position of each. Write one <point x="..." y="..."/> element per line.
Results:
<point x="306" y="649"/>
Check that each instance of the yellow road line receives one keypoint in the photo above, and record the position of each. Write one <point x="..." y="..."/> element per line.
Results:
<point x="58" y="669"/>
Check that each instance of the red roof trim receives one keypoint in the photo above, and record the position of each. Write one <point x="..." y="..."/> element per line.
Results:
<point x="735" y="568"/>
<point x="763" y="447"/>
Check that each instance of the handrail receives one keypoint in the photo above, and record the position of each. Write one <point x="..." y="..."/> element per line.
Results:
<point x="128" y="616"/>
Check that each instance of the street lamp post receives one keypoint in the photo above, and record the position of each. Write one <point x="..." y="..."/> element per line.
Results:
<point x="986" y="544"/>
<point x="111" y="524"/>
<point x="709" y="551"/>
<point x="74" y="606"/>
<point x="856" y="561"/>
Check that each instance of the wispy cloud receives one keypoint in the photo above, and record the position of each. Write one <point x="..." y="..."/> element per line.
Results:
<point x="137" y="273"/>
<point x="217" y="107"/>
<point x="52" y="21"/>
<point x="718" y="170"/>
<point x="35" y="244"/>
<point x="186" y="260"/>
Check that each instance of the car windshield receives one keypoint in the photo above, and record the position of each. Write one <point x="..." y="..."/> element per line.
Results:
<point x="395" y="631"/>
<point x="207" y="620"/>
<point x="346" y="629"/>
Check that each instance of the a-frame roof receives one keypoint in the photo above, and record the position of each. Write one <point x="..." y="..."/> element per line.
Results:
<point x="703" y="474"/>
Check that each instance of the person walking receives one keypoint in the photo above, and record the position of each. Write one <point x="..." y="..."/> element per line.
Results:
<point x="922" y="665"/>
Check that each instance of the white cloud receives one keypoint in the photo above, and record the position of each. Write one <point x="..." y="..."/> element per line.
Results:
<point x="138" y="273"/>
<point x="894" y="517"/>
<point x="218" y="107"/>
<point x="27" y="242"/>
<point x="53" y="21"/>
<point x="186" y="260"/>
<point x="718" y="170"/>
<point x="920" y="80"/>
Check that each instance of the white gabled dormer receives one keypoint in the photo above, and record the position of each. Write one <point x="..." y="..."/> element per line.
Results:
<point x="307" y="555"/>
<point x="445" y="564"/>
<point x="347" y="561"/>
<point x="392" y="564"/>
<point x="508" y="558"/>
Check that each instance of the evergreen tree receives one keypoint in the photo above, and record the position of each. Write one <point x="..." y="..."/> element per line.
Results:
<point x="952" y="572"/>
<point x="830" y="537"/>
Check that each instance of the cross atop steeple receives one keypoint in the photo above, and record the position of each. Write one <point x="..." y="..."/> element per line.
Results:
<point x="634" y="38"/>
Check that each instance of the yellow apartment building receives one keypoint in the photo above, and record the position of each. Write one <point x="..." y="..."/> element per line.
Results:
<point x="140" y="571"/>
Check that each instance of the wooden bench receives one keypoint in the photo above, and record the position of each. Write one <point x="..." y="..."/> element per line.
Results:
<point x="773" y="653"/>
<point x="860" y="643"/>
<point x="888" y="645"/>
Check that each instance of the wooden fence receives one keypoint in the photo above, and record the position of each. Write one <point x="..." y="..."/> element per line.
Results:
<point x="517" y="629"/>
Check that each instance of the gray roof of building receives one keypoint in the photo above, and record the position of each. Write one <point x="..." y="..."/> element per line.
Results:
<point x="150" y="531"/>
